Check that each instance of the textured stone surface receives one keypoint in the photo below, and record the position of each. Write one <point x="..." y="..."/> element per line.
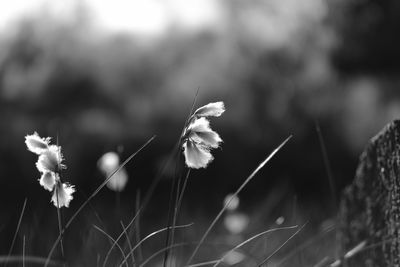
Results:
<point x="370" y="206"/>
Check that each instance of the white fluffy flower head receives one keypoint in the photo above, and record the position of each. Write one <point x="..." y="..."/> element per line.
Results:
<point x="49" y="165"/>
<point x="199" y="138"/>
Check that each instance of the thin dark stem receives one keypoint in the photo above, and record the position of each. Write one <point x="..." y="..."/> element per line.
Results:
<point x="59" y="224"/>
<point x="16" y="231"/>
<point x="327" y="165"/>
<point x="329" y="172"/>
<point x="137" y="225"/>
<point x="183" y="188"/>
<point x="23" y="251"/>
<point x="171" y="215"/>
<point x="58" y="203"/>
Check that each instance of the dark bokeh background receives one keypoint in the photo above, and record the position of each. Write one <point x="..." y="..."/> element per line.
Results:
<point x="279" y="66"/>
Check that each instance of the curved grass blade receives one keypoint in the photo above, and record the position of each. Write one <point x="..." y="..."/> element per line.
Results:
<point x="117" y="239"/>
<point x="305" y="245"/>
<point x="112" y="239"/>
<point x="251" y="239"/>
<point x="128" y="241"/>
<point x="93" y="195"/>
<point x="160" y="252"/>
<point x="150" y="235"/>
<point x="16" y="231"/>
<point x="249" y="178"/>
<point x="281" y="246"/>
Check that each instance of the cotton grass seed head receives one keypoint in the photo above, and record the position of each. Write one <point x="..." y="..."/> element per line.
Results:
<point x="62" y="194"/>
<point x="199" y="138"/>
<point x="49" y="164"/>
<point x="36" y="144"/>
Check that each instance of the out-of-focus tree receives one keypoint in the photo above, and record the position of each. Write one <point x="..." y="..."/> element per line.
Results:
<point x="369" y="37"/>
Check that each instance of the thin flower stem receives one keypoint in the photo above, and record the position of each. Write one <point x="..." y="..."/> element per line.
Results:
<point x="93" y="195"/>
<point x="178" y="202"/>
<point x="176" y="182"/>
<point x="59" y="223"/>
<point x="137" y="225"/>
<point x="327" y="165"/>
<point x="171" y="215"/>
<point x="249" y="178"/>
<point x="23" y="251"/>
<point x="16" y="232"/>
<point x="58" y="202"/>
<point x="183" y="188"/>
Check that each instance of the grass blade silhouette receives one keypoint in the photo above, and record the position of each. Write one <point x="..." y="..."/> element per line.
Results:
<point x="93" y="195"/>
<point x="150" y="235"/>
<point x="16" y="231"/>
<point x="112" y="239"/>
<point x="281" y="246"/>
<point x="249" y="178"/>
<point x="251" y="239"/>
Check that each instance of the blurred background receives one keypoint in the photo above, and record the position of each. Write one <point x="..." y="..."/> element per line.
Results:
<point x="101" y="76"/>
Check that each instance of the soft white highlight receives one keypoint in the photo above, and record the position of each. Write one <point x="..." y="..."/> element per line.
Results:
<point x="233" y="201"/>
<point x="118" y="181"/>
<point x="236" y="222"/>
<point x="107" y="164"/>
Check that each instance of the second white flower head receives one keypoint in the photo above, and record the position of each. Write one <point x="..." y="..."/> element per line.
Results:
<point x="199" y="138"/>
